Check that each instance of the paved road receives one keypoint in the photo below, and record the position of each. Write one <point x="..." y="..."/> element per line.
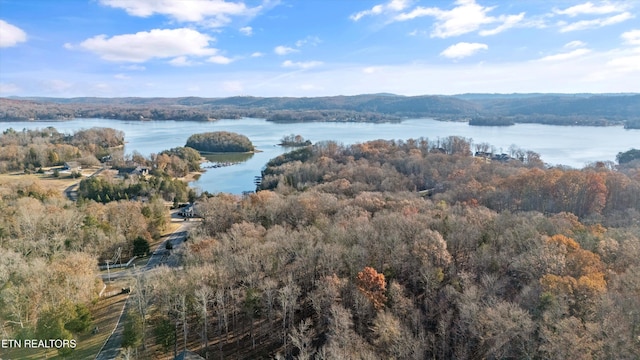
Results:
<point x="111" y="348"/>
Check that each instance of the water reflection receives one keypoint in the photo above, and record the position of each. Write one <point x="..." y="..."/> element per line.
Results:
<point x="226" y="159"/>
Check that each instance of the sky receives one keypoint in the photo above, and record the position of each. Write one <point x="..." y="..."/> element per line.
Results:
<point x="306" y="48"/>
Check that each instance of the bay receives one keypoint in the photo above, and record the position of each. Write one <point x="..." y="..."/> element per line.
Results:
<point x="573" y="146"/>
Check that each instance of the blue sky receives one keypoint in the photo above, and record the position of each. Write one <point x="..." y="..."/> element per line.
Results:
<point x="219" y="48"/>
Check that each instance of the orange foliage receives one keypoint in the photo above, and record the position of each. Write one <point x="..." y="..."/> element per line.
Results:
<point x="373" y="285"/>
<point x="583" y="277"/>
<point x="559" y="239"/>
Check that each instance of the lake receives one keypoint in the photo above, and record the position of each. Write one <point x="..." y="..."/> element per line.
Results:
<point x="573" y="146"/>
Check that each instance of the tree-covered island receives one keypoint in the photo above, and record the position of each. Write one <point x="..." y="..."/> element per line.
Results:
<point x="220" y="142"/>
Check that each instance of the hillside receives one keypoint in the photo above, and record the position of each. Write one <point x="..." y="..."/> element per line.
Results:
<point x="561" y="109"/>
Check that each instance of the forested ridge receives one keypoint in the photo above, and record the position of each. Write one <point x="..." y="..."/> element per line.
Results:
<point x="485" y="109"/>
<point x="406" y="249"/>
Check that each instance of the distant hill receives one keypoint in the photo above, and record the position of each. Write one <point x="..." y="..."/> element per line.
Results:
<point x="574" y="109"/>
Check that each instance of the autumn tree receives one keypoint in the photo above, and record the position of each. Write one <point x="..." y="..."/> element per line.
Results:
<point x="373" y="285"/>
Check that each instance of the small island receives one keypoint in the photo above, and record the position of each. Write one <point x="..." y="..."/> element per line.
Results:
<point x="220" y="142"/>
<point x="491" y="121"/>
<point x="294" y="141"/>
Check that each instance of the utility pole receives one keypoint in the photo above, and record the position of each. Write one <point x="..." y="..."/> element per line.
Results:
<point x="108" y="271"/>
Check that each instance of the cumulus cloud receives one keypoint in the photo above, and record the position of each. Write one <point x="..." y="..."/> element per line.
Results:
<point x="466" y="17"/>
<point x="589" y="8"/>
<point x="301" y="65"/>
<point x="284" y="50"/>
<point x="213" y="13"/>
<point x="146" y="45"/>
<point x="11" y="35"/>
<point x="247" y="30"/>
<point x="595" y="23"/>
<point x="463" y="49"/>
<point x="631" y="37"/>
<point x="391" y="6"/>
<point x="219" y="59"/>
<point x="566" y="55"/>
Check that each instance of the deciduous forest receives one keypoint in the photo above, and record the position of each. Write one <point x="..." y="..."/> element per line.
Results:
<point x="405" y="249"/>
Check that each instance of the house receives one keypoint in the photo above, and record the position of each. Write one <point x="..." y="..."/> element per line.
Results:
<point x="187" y="211"/>
<point x="501" y="157"/>
<point x="483" y="154"/>
<point x="138" y="170"/>
<point x="71" y="166"/>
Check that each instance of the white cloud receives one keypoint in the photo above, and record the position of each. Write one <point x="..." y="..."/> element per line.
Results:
<point x="417" y="32"/>
<point x="575" y="44"/>
<point x="507" y="23"/>
<point x="631" y="37"/>
<point x="567" y="55"/>
<point x="213" y="13"/>
<point x="629" y="63"/>
<point x="284" y="50"/>
<point x="463" y="49"/>
<point x="302" y="64"/>
<point x="466" y="17"/>
<point x="589" y="8"/>
<point x="596" y="23"/>
<point x="247" y="30"/>
<point x="370" y="70"/>
<point x="219" y="59"/>
<point x="122" y="77"/>
<point x="146" y="45"/>
<point x="257" y="54"/>
<point x="11" y="35"/>
<point x="181" y="61"/>
<point x="391" y="6"/>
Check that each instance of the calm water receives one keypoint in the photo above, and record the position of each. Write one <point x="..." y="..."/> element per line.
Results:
<point x="566" y="145"/>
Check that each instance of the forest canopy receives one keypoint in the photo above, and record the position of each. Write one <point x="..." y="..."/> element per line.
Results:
<point x="220" y="141"/>
<point x="388" y="249"/>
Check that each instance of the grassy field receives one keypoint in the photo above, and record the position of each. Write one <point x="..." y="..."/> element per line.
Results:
<point x="46" y="181"/>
